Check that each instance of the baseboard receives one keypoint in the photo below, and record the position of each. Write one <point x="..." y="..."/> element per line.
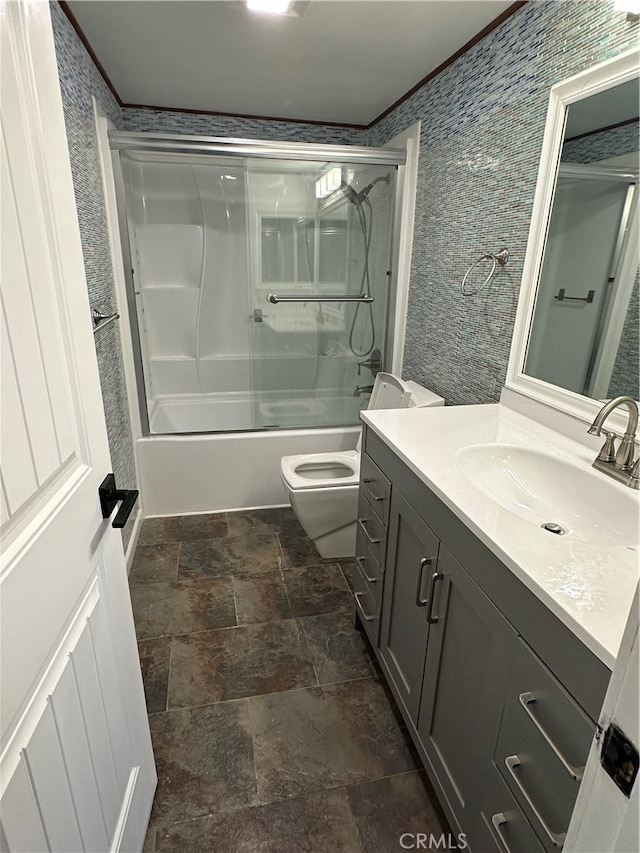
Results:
<point x="229" y="509"/>
<point x="133" y="541"/>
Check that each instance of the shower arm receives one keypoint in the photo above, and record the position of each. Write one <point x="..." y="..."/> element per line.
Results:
<point x="273" y="298"/>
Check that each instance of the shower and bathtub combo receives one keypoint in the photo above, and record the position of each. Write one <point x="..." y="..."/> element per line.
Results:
<point x="262" y="297"/>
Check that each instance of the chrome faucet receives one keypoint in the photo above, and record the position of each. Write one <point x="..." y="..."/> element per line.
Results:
<point x="363" y="389"/>
<point x="618" y="464"/>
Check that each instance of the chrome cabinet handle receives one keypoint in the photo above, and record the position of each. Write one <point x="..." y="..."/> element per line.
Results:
<point x="498" y="820"/>
<point x="361" y="608"/>
<point x="420" y="601"/>
<point x="435" y="577"/>
<point x="527" y="699"/>
<point x="366" y="481"/>
<point x="557" y="839"/>
<point x="360" y="561"/>
<point x="362" y="522"/>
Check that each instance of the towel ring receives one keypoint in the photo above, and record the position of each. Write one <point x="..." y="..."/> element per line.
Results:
<point x="500" y="257"/>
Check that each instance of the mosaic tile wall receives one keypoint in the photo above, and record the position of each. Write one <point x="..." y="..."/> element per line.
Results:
<point x="482" y="127"/>
<point x="244" y="128"/>
<point x="599" y="146"/>
<point x="79" y="81"/>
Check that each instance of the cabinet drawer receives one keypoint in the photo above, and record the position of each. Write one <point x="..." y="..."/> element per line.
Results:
<point x="371" y="573"/>
<point x="366" y="608"/>
<point x="376" y="487"/>
<point x="547" y="710"/>
<point x="371" y="531"/>
<point x="504" y="828"/>
<point x="543" y="745"/>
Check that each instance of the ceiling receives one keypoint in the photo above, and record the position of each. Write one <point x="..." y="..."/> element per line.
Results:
<point x="342" y="61"/>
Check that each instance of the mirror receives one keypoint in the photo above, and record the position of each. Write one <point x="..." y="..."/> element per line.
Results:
<point x="578" y="326"/>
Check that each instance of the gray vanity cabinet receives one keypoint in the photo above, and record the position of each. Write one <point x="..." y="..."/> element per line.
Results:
<point x="412" y="559"/>
<point x="498" y="695"/>
<point x="466" y="672"/>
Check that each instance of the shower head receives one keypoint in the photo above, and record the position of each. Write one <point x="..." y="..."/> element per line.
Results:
<point x="356" y="197"/>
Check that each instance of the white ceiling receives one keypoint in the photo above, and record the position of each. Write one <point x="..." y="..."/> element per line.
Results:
<point x="340" y="61"/>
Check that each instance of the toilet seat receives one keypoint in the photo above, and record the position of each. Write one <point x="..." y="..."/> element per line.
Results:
<point x="344" y="468"/>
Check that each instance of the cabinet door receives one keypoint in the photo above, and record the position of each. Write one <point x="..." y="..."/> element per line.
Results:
<point x="465" y="677"/>
<point x="412" y="556"/>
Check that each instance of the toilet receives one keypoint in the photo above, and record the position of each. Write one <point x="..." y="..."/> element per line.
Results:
<point x="323" y="487"/>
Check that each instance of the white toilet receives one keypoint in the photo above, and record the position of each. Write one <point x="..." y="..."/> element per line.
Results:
<point x="323" y="487"/>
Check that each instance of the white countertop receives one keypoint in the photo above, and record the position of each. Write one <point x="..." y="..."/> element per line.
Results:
<point x="589" y="587"/>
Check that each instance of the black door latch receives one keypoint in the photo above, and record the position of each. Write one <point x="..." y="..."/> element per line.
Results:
<point x="110" y="496"/>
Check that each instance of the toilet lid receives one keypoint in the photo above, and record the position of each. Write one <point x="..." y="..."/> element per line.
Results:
<point x="389" y="392"/>
<point x="295" y="479"/>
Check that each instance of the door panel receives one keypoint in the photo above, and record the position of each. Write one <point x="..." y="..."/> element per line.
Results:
<point x="411" y="557"/>
<point x="76" y="766"/>
<point x="465" y="678"/>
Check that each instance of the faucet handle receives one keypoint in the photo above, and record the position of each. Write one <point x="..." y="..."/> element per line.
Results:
<point x="634" y="477"/>
<point x="608" y="451"/>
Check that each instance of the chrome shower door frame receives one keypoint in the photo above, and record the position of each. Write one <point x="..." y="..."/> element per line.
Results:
<point x="242" y="148"/>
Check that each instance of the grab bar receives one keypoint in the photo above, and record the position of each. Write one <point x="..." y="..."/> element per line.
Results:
<point x="562" y="298"/>
<point x="271" y="297"/>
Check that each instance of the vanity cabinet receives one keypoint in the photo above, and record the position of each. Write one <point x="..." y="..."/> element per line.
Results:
<point x="499" y="696"/>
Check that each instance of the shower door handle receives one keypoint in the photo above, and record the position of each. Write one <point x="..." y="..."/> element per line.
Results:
<point x="110" y="496"/>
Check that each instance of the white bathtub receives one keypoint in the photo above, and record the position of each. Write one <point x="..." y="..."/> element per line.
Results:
<point x="181" y="474"/>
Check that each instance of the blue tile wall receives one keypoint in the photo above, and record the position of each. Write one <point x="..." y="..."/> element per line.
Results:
<point x="160" y="121"/>
<point x="79" y="82"/>
<point x="482" y="128"/>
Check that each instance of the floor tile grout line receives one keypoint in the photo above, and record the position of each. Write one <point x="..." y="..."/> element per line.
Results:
<point x="274" y="693"/>
<point x="166" y="701"/>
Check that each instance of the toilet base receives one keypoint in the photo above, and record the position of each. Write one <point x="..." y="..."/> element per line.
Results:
<point x="338" y="543"/>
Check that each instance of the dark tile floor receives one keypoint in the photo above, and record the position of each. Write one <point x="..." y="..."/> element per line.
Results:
<point x="271" y="725"/>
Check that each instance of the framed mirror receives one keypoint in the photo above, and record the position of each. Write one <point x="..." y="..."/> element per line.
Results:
<point x="576" y="337"/>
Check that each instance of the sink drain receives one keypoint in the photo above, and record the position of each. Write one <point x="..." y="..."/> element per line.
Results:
<point x="552" y="527"/>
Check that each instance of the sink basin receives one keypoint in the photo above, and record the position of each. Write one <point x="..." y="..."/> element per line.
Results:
<point x="542" y="489"/>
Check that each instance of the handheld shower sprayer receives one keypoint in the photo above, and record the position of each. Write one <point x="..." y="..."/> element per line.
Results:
<point x="356" y="197"/>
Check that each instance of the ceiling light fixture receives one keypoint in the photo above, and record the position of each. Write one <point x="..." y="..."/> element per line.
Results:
<point x="270" y="7"/>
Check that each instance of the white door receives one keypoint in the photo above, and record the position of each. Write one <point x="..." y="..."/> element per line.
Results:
<point x="76" y="766"/>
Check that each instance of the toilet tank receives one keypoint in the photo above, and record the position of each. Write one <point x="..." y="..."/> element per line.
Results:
<point x="421" y="396"/>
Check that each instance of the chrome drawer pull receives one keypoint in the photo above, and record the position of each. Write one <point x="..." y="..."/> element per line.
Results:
<point x="420" y="601"/>
<point x="361" y="608"/>
<point x="511" y="762"/>
<point x="362" y="522"/>
<point x="360" y="561"/>
<point x="435" y="577"/>
<point x="498" y="820"/>
<point x="527" y="699"/>
<point x="368" y="480"/>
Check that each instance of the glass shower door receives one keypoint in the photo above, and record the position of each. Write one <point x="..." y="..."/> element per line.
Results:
<point x="318" y="289"/>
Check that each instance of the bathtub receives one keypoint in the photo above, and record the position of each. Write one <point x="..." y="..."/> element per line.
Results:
<point x="182" y="474"/>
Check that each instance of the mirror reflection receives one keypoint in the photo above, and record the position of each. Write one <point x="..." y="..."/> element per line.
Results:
<point x="585" y="329"/>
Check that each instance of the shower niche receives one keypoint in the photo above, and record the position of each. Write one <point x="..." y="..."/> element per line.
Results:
<point x="210" y="237"/>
